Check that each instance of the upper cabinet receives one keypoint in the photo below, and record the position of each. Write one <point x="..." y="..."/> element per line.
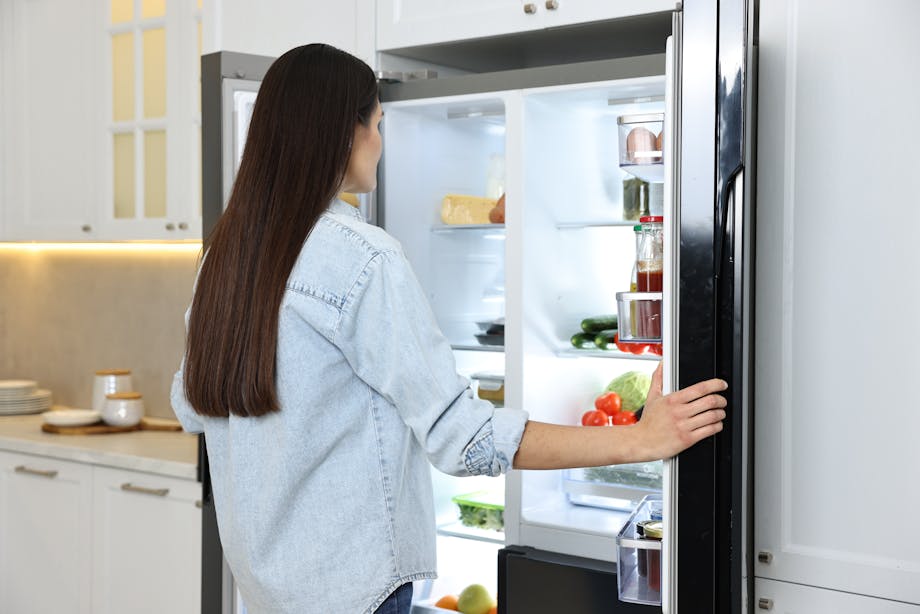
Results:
<point x="101" y="104"/>
<point x="410" y="23"/>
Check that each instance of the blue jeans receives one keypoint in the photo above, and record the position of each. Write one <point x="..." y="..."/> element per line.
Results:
<point x="399" y="601"/>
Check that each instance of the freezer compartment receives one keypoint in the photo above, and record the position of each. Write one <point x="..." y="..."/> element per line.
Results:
<point x="616" y="487"/>
<point x="641" y="145"/>
<point x="639" y="316"/>
<point x="638" y="557"/>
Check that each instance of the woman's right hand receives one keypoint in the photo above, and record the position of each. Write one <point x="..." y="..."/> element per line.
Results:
<point x="672" y="423"/>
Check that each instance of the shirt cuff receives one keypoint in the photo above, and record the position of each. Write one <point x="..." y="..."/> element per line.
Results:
<point x="492" y="453"/>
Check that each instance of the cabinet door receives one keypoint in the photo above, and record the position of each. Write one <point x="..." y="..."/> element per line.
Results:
<point x="146" y="543"/>
<point x="52" y="118"/>
<point x="45" y="524"/>
<point x="836" y="452"/>
<point x="789" y="598"/>
<point x="407" y="23"/>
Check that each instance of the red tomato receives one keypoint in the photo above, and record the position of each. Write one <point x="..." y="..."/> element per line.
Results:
<point x="655" y="349"/>
<point x="629" y="347"/>
<point x="624" y="417"/>
<point x="609" y="403"/>
<point x="594" y="417"/>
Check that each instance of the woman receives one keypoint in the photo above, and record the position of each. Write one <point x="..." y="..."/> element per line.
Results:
<point x="323" y="385"/>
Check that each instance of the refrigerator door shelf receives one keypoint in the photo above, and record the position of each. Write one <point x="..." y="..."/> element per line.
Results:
<point x="638" y="559"/>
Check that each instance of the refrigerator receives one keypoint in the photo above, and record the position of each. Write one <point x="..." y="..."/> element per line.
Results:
<point x="510" y="295"/>
<point x="551" y="138"/>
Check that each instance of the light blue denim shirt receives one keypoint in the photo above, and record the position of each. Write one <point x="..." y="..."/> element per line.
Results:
<point x="326" y="505"/>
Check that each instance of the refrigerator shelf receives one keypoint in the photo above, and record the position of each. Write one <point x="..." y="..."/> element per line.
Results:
<point x="652" y="173"/>
<point x="595" y="224"/>
<point x="458" y="529"/>
<point x="477" y="348"/>
<point x="576" y="353"/>
<point x="442" y="228"/>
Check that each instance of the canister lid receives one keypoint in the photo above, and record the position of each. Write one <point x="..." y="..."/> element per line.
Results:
<point x="654" y="529"/>
<point x="645" y="219"/>
<point x="124" y="395"/>
<point x="114" y="372"/>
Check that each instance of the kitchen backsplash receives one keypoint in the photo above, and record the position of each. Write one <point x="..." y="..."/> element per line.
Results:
<point x="66" y="311"/>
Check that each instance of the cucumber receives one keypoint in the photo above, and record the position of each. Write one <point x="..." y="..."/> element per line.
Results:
<point x="604" y="339"/>
<point x="583" y="341"/>
<point x="597" y="324"/>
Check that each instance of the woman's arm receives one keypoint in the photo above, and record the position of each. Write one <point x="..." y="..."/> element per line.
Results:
<point x="669" y="425"/>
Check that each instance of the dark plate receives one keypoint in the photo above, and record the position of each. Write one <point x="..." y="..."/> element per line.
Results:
<point x="486" y="339"/>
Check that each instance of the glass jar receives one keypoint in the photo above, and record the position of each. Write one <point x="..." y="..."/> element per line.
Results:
<point x="650" y="276"/>
<point x="108" y="381"/>
<point x="654" y="531"/>
<point x="635" y="198"/>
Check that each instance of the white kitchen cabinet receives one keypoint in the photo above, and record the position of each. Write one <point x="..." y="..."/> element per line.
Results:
<point x="408" y="23"/>
<point x="52" y="85"/>
<point x="835" y="463"/>
<point x="790" y="598"/>
<point x="147" y="543"/>
<point x="75" y="165"/>
<point x="45" y="535"/>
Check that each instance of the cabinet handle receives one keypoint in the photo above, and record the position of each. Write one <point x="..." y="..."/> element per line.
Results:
<point x="183" y="226"/>
<point x="157" y="492"/>
<point x="552" y="5"/>
<point x="170" y="226"/>
<point x="42" y="472"/>
<point x="199" y="503"/>
<point x="765" y="557"/>
<point x="86" y="228"/>
<point x="765" y="604"/>
<point x="530" y="8"/>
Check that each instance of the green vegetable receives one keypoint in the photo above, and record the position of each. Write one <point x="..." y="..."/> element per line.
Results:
<point x="583" y="341"/>
<point x="632" y="387"/>
<point x="480" y="510"/>
<point x="605" y="339"/>
<point x="596" y="324"/>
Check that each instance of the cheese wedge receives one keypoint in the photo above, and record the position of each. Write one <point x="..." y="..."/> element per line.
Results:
<point x="462" y="209"/>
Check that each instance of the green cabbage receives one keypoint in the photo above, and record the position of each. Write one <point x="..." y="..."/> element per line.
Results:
<point x="632" y="387"/>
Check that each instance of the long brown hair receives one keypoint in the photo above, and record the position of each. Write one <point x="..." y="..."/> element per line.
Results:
<point x="293" y="165"/>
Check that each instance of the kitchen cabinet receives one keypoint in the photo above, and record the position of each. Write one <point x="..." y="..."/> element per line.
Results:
<point x="52" y="88"/>
<point x="45" y="535"/>
<point x="76" y="537"/>
<point x="835" y="453"/>
<point x="791" y="598"/>
<point x="101" y="109"/>
<point x="408" y="23"/>
<point x="146" y="537"/>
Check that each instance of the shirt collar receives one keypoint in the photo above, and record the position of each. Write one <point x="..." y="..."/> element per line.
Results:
<point x="341" y="207"/>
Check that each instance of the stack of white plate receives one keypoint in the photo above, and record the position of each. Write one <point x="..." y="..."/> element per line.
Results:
<point x="21" y="396"/>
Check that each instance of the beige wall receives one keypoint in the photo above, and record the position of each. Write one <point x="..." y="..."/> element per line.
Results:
<point x="67" y="311"/>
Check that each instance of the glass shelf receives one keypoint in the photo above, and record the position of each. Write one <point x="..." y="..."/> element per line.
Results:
<point x="595" y="224"/>
<point x="652" y="173"/>
<point x="576" y="353"/>
<point x="453" y="227"/>
<point x="458" y="529"/>
<point x="478" y="348"/>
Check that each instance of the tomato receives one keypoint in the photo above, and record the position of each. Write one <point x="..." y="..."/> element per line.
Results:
<point x="594" y="417"/>
<point x="609" y="403"/>
<point x="624" y="417"/>
<point x="655" y="349"/>
<point x="629" y="347"/>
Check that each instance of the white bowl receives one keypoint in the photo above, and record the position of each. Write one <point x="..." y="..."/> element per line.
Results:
<point x="71" y="417"/>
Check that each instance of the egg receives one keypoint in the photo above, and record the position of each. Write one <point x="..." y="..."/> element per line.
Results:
<point x="640" y="143"/>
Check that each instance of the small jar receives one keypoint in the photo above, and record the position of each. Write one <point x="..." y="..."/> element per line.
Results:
<point x="123" y="408"/>
<point x="653" y="531"/>
<point x="108" y="381"/>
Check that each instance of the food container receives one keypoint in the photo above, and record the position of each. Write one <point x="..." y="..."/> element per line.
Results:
<point x="641" y="140"/>
<point x="123" y="409"/>
<point x="491" y="387"/>
<point x="639" y="315"/>
<point x="108" y="381"/>
<point x="639" y="554"/>
<point x="482" y="510"/>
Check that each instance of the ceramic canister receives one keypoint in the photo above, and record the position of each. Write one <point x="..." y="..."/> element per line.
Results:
<point x="123" y="408"/>
<point x="108" y="381"/>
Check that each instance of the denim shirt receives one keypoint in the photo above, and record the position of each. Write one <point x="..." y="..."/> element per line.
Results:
<point x="326" y="505"/>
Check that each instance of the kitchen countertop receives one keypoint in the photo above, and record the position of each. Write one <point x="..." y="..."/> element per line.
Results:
<point x="161" y="452"/>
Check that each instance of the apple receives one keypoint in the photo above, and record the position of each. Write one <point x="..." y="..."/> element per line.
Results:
<point x="475" y="599"/>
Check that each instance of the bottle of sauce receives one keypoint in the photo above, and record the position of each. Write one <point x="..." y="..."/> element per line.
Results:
<point x="653" y="531"/>
<point x="650" y="276"/>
